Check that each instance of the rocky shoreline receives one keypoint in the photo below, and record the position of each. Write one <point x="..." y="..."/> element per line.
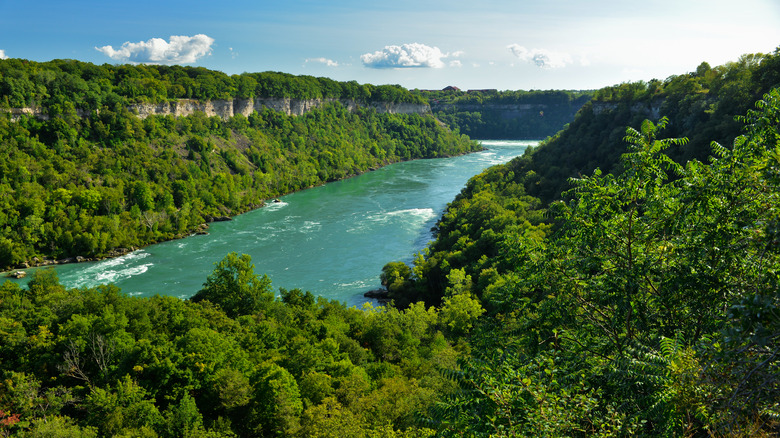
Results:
<point x="202" y="229"/>
<point x="37" y="262"/>
<point x="382" y="295"/>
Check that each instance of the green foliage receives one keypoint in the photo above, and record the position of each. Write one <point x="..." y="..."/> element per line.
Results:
<point x="27" y="84"/>
<point x="649" y="307"/>
<point x="122" y="407"/>
<point x="505" y="394"/>
<point x="700" y="106"/>
<point x="395" y="276"/>
<point x="235" y="288"/>
<point x="92" y="179"/>
<point x="460" y="312"/>
<point x="233" y="362"/>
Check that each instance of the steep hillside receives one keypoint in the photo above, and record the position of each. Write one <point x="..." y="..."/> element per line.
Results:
<point x="700" y="106"/>
<point x="92" y="172"/>
<point x="490" y="114"/>
<point x="639" y="298"/>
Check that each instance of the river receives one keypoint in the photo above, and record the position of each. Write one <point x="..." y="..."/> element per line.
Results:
<point x="331" y="240"/>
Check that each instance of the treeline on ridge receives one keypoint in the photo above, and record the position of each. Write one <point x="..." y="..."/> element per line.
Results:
<point x="87" y="186"/>
<point x="89" y="86"/>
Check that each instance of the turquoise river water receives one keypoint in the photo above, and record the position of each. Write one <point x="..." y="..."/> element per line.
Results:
<point x="331" y="240"/>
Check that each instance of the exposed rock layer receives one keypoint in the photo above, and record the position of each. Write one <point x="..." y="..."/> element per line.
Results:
<point x="229" y="108"/>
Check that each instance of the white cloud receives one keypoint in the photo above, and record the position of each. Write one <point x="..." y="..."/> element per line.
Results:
<point x="541" y="57"/>
<point x="180" y="50"/>
<point x="405" y="56"/>
<point x="326" y="61"/>
<point x="2" y="54"/>
<point x="456" y="63"/>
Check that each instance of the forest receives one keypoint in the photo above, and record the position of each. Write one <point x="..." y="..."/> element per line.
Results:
<point x="93" y="186"/>
<point x="621" y="279"/>
<point x="90" y="87"/>
<point x="627" y="268"/>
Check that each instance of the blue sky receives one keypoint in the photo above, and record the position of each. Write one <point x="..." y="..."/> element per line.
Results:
<point x="503" y="44"/>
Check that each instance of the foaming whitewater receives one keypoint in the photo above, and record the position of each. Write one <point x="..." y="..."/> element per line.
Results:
<point x="109" y="271"/>
<point x="411" y="217"/>
<point x="332" y="240"/>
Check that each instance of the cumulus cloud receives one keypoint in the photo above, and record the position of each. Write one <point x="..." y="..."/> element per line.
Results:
<point x="2" y="54"/>
<point x="412" y="55"/>
<point x="541" y="57"/>
<point x="456" y="63"/>
<point x="179" y="50"/>
<point x="326" y="61"/>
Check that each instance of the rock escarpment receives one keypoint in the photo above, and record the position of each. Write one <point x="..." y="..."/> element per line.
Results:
<point x="229" y="108"/>
<point x="651" y="109"/>
<point x="294" y="107"/>
<point x="507" y="111"/>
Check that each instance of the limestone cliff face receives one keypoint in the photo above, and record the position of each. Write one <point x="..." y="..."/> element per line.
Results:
<point x="228" y="108"/>
<point x="294" y="107"/>
<point x="510" y="107"/>
<point x="650" y="109"/>
<point x="505" y="111"/>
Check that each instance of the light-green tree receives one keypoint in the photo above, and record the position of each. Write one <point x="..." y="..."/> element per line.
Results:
<point x="235" y="288"/>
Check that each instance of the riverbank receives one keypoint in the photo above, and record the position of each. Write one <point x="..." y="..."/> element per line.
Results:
<point x="38" y="262"/>
<point x="331" y="240"/>
<point x="203" y="228"/>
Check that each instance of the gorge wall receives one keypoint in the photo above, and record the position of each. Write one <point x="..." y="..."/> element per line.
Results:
<point x="294" y="107"/>
<point x="229" y="108"/>
<point x="508" y="120"/>
<point x="507" y="111"/>
<point x="651" y="109"/>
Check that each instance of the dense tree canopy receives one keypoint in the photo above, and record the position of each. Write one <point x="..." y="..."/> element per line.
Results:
<point x="653" y="308"/>
<point x="58" y="84"/>
<point x="643" y="301"/>
<point x="234" y="361"/>
<point x="616" y="281"/>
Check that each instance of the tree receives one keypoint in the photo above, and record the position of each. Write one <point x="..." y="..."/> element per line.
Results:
<point x="459" y="313"/>
<point x="747" y="366"/>
<point x="394" y="275"/>
<point x="141" y="195"/>
<point x="235" y="288"/>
